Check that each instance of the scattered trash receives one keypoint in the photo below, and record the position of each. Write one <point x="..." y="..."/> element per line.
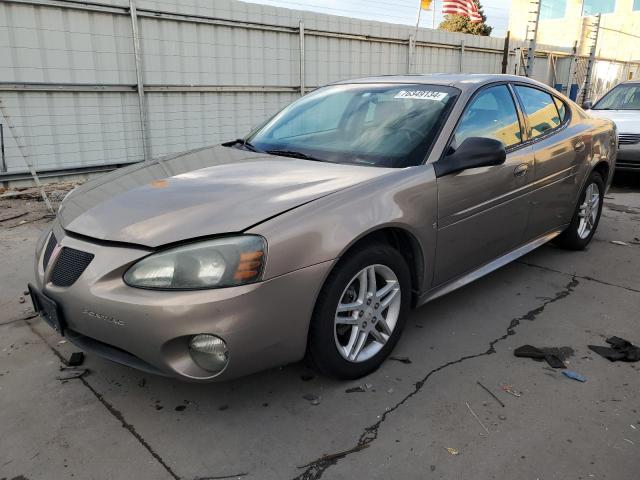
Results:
<point x="554" y="356"/>
<point x="62" y="342"/>
<point x="620" y="349"/>
<point x="72" y="374"/>
<point x="405" y="360"/>
<point x="180" y="408"/>
<point x="476" y="417"/>
<point x="314" y="399"/>
<point x="21" y="300"/>
<point x="630" y="441"/>
<point x="633" y="426"/>
<point x="390" y="390"/>
<point x="502" y="417"/>
<point x="452" y="451"/>
<point x="360" y="388"/>
<point x="491" y="393"/>
<point x="357" y="389"/>
<point x="574" y="375"/>
<point x="76" y="359"/>
<point x="510" y="390"/>
<point x="620" y="242"/>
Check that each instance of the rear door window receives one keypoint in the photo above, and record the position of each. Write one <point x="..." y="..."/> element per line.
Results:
<point x="540" y="109"/>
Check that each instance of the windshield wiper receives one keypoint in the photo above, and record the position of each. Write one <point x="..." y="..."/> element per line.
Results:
<point x="242" y="142"/>
<point x="293" y="154"/>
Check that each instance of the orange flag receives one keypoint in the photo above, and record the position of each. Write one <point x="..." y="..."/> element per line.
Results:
<point x="425" y="4"/>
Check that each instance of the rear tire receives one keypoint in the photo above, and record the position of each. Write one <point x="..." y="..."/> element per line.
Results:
<point x="355" y="325"/>
<point x="586" y="216"/>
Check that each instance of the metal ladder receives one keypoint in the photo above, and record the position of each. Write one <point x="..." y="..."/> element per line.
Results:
<point x="529" y="54"/>
<point x="593" y="37"/>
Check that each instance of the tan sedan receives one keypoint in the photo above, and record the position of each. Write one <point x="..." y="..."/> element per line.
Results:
<point x="314" y="235"/>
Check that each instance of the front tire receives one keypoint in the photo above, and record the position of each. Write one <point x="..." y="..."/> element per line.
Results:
<point x="586" y="216"/>
<point x="360" y="312"/>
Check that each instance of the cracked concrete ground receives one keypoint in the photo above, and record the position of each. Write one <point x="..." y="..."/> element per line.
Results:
<point x="119" y="423"/>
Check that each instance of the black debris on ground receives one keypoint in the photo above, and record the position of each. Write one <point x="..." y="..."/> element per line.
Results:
<point x="76" y="359"/>
<point x="620" y="350"/>
<point x="554" y="356"/>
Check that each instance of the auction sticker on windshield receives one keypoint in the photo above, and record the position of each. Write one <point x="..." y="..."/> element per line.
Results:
<point x="421" y="95"/>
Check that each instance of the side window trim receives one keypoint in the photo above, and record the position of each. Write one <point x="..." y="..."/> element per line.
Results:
<point x="530" y="140"/>
<point x="567" y="110"/>
<point x="516" y="105"/>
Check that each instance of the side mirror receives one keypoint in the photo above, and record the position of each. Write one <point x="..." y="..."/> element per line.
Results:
<point x="473" y="152"/>
<point x="587" y="105"/>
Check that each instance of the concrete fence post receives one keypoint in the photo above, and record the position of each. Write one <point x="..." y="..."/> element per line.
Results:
<point x="411" y="53"/>
<point x="302" y="73"/>
<point x="139" y="80"/>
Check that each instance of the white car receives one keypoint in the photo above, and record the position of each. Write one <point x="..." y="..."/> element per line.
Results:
<point x="622" y="105"/>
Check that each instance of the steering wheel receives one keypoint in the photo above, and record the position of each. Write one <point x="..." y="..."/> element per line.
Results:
<point x="410" y="132"/>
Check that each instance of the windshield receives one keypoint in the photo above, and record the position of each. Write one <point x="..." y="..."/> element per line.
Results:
<point x="388" y="125"/>
<point x="622" y="97"/>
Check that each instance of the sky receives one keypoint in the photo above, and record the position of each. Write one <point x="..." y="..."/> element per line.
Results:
<point x="396" y="11"/>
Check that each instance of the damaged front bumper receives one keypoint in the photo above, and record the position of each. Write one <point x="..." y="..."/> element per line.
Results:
<point x="263" y="324"/>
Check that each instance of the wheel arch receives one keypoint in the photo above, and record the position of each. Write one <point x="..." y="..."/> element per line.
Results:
<point x="405" y="242"/>
<point x="603" y="168"/>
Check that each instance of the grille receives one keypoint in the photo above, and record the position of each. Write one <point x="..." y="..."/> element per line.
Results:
<point x="628" y="138"/>
<point x="70" y="265"/>
<point x="51" y="244"/>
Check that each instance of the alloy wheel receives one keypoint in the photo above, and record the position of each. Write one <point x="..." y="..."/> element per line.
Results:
<point x="589" y="211"/>
<point x="367" y="313"/>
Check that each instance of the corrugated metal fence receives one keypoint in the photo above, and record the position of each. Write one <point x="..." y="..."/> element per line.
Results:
<point x="208" y="72"/>
<point x="86" y="85"/>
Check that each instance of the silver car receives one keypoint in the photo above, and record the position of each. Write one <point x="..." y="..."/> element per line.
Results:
<point x="316" y="234"/>
<point x="622" y="105"/>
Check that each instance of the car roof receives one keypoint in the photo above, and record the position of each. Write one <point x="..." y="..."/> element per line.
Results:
<point x="463" y="81"/>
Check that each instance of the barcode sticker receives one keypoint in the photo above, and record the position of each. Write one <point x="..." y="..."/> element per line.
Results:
<point x="422" y="95"/>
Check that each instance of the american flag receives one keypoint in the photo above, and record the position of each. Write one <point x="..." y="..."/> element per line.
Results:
<point x="467" y="8"/>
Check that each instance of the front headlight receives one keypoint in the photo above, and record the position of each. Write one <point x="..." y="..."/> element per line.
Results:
<point x="221" y="262"/>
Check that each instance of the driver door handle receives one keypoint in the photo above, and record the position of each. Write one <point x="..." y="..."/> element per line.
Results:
<point x="521" y="170"/>
<point x="579" y="146"/>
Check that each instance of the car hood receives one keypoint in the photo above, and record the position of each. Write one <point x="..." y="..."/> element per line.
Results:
<point x="203" y="192"/>
<point x="627" y="121"/>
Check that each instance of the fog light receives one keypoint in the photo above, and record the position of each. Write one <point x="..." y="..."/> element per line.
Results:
<point x="209" y="352"/>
